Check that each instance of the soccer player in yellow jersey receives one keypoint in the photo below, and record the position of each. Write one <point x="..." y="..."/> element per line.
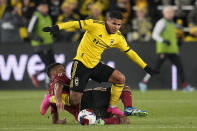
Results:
<point x="98" y="37"/>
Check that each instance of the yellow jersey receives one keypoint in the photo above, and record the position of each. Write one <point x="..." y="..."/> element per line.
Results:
<point x="97" y="39"/>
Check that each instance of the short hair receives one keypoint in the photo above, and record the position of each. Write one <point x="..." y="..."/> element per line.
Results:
<point x="167" y="8"/>
<point x="115" y="14"/>
<point x="51" y="67"/>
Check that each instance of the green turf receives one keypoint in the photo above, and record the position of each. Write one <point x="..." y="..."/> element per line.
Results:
<point x="168" y="111"/>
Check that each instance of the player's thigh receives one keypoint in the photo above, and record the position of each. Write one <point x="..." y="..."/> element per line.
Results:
<point x="102" y="73"/>
<point x="79" y="77"/>
<point x="75" y="97"/>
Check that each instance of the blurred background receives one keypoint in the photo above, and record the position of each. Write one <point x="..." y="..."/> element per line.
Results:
<point x="22" y="55"/>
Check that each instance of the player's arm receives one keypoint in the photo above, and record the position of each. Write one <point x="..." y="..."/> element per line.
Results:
<point x="157" y="31"/>
<point x="55" y="119"/>
<point x="80" y="24"/>
<point x="136" y="58"/>
<point x="32" y="27"/>
<point x="58" y="96"/>
<point x="123" y="46"/>
<point x="55" y="116"/>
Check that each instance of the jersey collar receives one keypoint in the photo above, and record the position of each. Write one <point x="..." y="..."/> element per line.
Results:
<point x="107" y="28"/>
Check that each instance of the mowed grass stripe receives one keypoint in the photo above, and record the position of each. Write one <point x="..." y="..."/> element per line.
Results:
<point x="168" y="110"/>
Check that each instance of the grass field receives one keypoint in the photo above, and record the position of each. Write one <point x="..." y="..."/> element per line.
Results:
<point x="168" y="111"/>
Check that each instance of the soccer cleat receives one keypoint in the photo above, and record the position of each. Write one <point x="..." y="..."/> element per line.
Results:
<point x="35" y="81"/>
<point x="188" y="88"/>
<point x="100" y="122"/>
<point x="132" y="111"/>
<point x="45" y="104"/>
<point x="142" y="86"/>
<point x="115" y="111"/>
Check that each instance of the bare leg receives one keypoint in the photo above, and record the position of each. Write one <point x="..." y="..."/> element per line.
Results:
<point x="75" y="97"/>
<point x="117" y="78"/>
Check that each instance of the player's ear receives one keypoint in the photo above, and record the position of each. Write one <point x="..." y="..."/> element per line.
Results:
<point x="108" y="19"/>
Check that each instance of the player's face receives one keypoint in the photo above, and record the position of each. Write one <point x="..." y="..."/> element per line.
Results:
<point x="60" y="69"/>
<point x="43" y="8"/>
<point x="169" y="14"/>
<point x="114" y="25"/>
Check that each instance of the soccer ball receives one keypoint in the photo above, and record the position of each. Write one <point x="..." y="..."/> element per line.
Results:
<point x="86" y="117"/>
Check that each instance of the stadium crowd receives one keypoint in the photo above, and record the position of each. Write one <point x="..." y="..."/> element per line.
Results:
<point x="140" y="17"/>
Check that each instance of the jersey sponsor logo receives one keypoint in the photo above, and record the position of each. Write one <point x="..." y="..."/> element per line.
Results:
<point x="99" y="43"/>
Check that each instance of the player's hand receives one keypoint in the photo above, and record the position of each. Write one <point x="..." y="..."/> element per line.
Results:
<point x="63" y="121"/>
<point x="167" y="42"/>
<point x="60" y="106"/>
<point x="52" y="29"/>
<point x="151" y="71"/>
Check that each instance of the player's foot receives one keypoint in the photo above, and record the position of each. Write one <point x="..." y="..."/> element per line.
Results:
<point x="188" y="88"/>
<point x="132" y="111"/>
<point x="100" y="122"/>
<point x="35" y="81"/>
<point x="115" y="111"/>
<point x="124" y="120"/>
<point x="45" y="104"/>
<point x="142" y="86"/>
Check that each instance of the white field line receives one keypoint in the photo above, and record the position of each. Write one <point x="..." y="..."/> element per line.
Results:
<point x="104" y="127"/>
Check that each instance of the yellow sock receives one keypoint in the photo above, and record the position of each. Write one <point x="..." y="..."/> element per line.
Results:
<point x="53" y="100"/>
<point x="116" y="91"/>
<point x="65" y="99"/>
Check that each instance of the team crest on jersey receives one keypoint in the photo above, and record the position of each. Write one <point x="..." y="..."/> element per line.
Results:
<point x="76" y="81"/>
<point x="112" y="41"/>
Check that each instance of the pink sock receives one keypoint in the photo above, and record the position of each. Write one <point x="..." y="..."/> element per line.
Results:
<point x="184" y="85"/>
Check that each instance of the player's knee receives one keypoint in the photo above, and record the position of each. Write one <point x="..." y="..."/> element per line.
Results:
<point x="117" y="78"/>
<point x="75" y="102"/>
<point x="121" y="79"/>
<point x="75" y="98"/>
